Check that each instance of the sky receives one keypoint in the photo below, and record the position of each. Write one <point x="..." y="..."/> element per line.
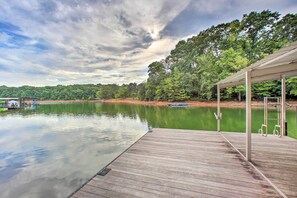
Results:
<point x="51" y="42"/>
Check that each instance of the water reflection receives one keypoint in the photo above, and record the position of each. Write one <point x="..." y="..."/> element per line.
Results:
<point x="49" y="155"/>
<point x="53" y="150"/>
<point x="164" y="117"/>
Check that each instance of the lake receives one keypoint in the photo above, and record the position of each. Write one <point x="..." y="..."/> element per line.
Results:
<point x="51" y="151"/>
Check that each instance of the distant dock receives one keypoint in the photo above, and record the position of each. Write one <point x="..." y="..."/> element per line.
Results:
<point x="187" y="163"/>
<point x="16" y="103"/>
<point x="178" y="105"/>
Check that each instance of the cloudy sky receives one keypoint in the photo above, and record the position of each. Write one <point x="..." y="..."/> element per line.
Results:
<point x="50" y="42"/>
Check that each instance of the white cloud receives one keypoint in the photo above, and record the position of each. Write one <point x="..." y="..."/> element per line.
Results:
<point x="96" y="41"/>
<point x="78" y="34"/>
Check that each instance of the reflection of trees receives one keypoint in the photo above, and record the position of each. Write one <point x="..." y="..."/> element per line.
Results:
<point x="164" y="117"/>
<point x="187" y="118"/>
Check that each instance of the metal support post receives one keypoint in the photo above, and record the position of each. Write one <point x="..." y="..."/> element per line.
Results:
<point x="248" y="115"/>
<point x="219" y="108"/>
<point x="283" y="116"/>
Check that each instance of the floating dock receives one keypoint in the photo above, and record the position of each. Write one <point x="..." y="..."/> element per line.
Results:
<point x="17" y="103"/>
<point x="178" y="105"/>
<point x="188" y="163"/>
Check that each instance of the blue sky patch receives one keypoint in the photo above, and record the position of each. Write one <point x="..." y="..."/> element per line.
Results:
<point x="3" y="68"/>
<point x="8" y="27"/>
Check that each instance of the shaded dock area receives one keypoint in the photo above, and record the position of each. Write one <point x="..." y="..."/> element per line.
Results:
<point x="275" y="157"/>
<point x="188" y="163"/>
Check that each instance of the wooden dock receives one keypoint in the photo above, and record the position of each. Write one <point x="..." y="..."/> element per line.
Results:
<point x="186" y="163"/>
<point x="275" y="157"/>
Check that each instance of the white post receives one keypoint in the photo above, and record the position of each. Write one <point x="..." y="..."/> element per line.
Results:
<point x="219" y="108"/>
<point x="248" y="115"/>
<point x="283" y="117"/>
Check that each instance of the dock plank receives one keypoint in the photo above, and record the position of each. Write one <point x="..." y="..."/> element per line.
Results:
<point x="180" y="163"/>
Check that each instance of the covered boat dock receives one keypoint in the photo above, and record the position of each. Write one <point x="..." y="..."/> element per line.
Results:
<point x="188" y="163"/>
<point x="10" y="103"/>
<point x="280" y="65"/>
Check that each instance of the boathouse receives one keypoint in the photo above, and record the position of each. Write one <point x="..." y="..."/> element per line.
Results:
<point x="278" y="66"/>
<point x="189" y="163"/>
<point x="11" y="103"/>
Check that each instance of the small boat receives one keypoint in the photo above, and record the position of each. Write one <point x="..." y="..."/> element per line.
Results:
<point x="178" y="105"/>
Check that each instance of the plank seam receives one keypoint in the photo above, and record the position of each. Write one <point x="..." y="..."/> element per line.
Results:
<point x="92" y="193"/>
<point x="211" y="184"/>
<point x="183" y="189"/>
<point x="156" y="184"/>
<point x="144" y="189"/>
<point x="107" y="189"/>
<point x="251" y="164"/>
<point x="227" y="184"/>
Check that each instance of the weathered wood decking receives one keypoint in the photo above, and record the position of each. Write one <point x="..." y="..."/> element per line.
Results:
<point x="183" y="163"/>
<point x="275" y="157"/>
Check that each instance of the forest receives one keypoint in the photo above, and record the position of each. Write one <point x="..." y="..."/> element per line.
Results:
<point x="192" y="69"/>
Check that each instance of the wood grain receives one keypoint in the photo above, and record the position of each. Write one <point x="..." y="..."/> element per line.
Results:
<point x="187" y="163"/>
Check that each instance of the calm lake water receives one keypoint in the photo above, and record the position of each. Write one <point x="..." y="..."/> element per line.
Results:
<point x="53" y="150"/>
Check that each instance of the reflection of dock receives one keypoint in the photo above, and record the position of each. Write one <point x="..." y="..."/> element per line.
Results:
<point x="184" y="163"/>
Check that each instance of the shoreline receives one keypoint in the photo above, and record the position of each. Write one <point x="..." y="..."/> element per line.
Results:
<point x="224" y="104"/>
<point x="64" y="101"/>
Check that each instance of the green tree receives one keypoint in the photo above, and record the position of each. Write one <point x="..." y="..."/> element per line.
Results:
<point x="292" y="86"/>
<point x="122" y="92"/>
<point x="257" y="27"/>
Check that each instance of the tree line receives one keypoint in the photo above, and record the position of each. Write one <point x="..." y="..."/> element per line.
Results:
<point x="192" y="69"/>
